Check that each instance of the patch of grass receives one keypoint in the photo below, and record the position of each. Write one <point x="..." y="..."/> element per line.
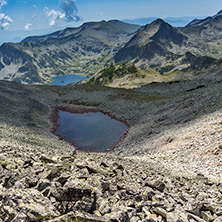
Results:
<point x="112" y="72"/>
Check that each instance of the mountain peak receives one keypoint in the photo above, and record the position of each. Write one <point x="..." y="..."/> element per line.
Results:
<point x="160" y="30"/>
<point x="220" y="12"/>
<point x="158" y="21"/>
<point x="155" y="26"/>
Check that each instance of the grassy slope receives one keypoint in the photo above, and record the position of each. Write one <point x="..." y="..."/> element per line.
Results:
<point x="127" y="75"/>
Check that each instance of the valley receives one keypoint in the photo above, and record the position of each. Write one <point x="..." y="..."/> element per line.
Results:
<point x="151" y="169"/>
<point x="158" y="48"/>
<point x="164" y="82"/>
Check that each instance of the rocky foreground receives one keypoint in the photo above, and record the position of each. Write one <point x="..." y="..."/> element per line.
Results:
<point x="43" y="185"/>
<point x="167" y="169"/>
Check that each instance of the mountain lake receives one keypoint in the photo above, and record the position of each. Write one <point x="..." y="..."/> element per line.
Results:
<point x="66" y="79"/>
<point x="90" y="131"/>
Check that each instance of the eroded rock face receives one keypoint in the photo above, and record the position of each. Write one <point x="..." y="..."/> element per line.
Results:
<point x="98" y="187"/>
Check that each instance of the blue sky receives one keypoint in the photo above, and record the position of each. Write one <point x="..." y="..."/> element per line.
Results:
<point x="19" y="18"/>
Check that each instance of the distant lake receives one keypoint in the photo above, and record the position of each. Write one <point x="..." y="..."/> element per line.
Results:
<point x="66" y="79"/>
<point x="92" y="131"/>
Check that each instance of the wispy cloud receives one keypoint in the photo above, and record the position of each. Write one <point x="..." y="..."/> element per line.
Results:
<point x="27" y="26"/>
<point x="5" y="21"/>
<point x="2" y="3"/>
<point x="70" y="10"/>
<point x="53" y="15"/>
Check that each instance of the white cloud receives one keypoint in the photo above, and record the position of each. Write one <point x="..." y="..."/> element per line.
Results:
<point x="2" y="3"/>
<point x="70" y="10"/>
<point x="5" y="21"/>
<point x="27" y="26"/>
<point x="53" y="15"/>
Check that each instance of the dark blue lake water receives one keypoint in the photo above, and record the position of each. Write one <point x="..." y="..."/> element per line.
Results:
<point x="65" y="80"/>
<point x="95" y="132"/>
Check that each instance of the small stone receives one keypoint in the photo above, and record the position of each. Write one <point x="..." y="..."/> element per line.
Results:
<point x="104" y="165"/>
<point x="32" y="182"/>
<point x="105" y="185"/>
<point x="63" y="179"/>
<point x="157" y="184"/>
<point x="152" y="218"/>
<point x="146" y="211"/>
<point x="169" y="140"/>
<point x="28" y="163"/>
<point x="104" y="207"/>
<point x="45" y="159"/>
<point x="207" y="216"/>
<point x="160" y="211"/>
<point x="194" y="217"/>
<point x="53" y="173"/>
<point x="43" y="184"/>
<point x="135" y="219"/>
<point x="117" y="216"/>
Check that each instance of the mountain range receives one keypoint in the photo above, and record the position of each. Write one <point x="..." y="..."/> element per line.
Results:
<point x="165" y="48"/>
<point x="174" y="21"/>
<point x="91" y="47"/>
<point x="82" y="50"/>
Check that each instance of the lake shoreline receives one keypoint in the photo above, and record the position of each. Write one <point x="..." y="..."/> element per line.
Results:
<point x="66" y="79"/>
<point x="54" y="117"/>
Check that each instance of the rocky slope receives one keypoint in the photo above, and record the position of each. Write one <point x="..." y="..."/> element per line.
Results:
<point x="167" y="169"/>
<point x="82" y="50"/>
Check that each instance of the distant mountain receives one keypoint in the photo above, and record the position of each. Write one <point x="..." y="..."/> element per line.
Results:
<point x="82" y="50"/>
<point x="165" y="48"/>
<point x="158" y="39"/>
<point x="141" y="21"/>
<point x="174" y="21"/>
<point x="206" y="34"/>
<point x="205" y="21"/>
<point x="16" y="39"/>
<point x="209" y="29"/>
<point x="85" y="50"/>
<point x="18" y="35"/>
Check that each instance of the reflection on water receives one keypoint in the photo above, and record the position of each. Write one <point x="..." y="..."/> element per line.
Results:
<point x="92" y="131"/>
